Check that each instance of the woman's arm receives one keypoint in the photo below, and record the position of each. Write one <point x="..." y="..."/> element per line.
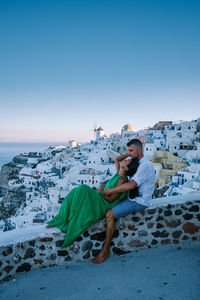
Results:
<point x="111" y="198"/>
<point x="102" y="186"/>
<point x="118" y="159"/>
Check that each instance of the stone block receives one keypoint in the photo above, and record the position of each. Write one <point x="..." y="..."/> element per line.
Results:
<point x="30" y="253"/>
<point x="62" y="253"/>
<point x="158" y="233"/>
<point x="32" y="243"/>
<point x="59" y="243"/>
<point x="8" y="268"/>
<point x="131" y="227"/>
<point x="167" y="213"/>
<point x="178" y="212"/>
<point x="194" y="208"/>
<point x="87" y="246"/>
<point x="46" y="239"/>
<point x="150" y="225"/>
<point x="86" y="255"/>
<point x="177" y="234"/>
<point x="52" y="256"/>
<point x="137" y="243"/>
<point x="24" y="268"/>
<point x="159" y="225"/>
<point x="38" y="261"/>
<point x="166" y="242"/>
<point x="190" y="228"/>
<point x="151" y="211"/>
<point x="142" y="232"/>
<point x="188" y="216"/>
<point x="99" y="236"/>
<point x="8" y="250"/>
<point x="173" y="223"/>
<point x="119" y="251"/>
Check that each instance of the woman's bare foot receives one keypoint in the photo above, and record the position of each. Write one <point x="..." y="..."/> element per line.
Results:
<point x="48" y="226"/>
<point x="101" y="257"/>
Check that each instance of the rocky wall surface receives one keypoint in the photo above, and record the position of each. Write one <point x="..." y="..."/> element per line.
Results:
<point x="173" y="223"/>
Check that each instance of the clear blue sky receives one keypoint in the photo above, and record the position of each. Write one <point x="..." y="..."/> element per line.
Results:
<point x="66" y="65"/>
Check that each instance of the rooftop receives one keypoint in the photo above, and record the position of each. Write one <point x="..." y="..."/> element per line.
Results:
<point x="171" y="272"/>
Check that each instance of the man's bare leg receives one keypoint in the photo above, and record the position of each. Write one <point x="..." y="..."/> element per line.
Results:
<point x="110" y="230"/>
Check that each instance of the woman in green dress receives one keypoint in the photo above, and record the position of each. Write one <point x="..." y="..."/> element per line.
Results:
<point x="84" y="206"/>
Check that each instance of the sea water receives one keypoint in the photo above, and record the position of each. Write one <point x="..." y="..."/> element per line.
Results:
<point x="10" y="149"/>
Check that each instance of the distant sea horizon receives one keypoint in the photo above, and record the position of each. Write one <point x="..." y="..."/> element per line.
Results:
<point x="10" y="149"/>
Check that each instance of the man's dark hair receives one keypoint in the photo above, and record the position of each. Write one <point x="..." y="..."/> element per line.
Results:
<point x="135" y="142"/>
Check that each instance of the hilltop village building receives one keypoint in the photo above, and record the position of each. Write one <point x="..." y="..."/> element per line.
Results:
<point x="45" y="178"/>
<point x="166" y="165"/>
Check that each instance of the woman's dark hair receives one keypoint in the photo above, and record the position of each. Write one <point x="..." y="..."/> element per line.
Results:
<point x="132" y="169"/>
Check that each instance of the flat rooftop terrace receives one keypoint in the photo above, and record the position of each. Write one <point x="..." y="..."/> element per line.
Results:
<point x="170" y="272"/>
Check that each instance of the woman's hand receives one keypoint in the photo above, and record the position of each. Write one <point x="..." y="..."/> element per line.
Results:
<point x="102" y="186"/>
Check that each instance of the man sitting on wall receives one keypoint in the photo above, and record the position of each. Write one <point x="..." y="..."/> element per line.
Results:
<point x="144" y="179"/>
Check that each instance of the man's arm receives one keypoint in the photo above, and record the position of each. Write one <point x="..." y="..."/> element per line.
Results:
<point x="121" y="188"/>
<point x="111" y="198"/>
<point x="114" y="196"/>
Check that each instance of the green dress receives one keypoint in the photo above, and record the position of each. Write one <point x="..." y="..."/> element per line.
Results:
<point x="81" y="208"/>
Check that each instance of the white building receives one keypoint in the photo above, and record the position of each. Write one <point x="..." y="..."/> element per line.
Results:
<point x="157" y="168"/>
<point x="186" y="174"/>
<point x="89" y="177"/>
<point x="149" y="149"/>
<point x="73" y="143"/>
<point x="99" y="133"/>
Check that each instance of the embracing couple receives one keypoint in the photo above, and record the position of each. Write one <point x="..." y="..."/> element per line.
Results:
<point x="129" y="190"/>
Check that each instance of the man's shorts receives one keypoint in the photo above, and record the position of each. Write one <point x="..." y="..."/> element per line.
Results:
<point x="125" y="207"/>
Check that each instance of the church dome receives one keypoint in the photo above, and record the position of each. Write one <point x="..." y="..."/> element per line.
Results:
<point x="127" y="127"/>
<point x="100" y="129"/>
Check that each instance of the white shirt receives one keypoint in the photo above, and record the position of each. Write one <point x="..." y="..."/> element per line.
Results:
<point x="145" y="179"/>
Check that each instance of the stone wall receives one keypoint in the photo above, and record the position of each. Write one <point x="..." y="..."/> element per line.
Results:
<point x="155" y="226"/>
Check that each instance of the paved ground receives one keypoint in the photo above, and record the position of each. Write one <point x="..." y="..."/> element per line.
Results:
<point x="170" y="272"/>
